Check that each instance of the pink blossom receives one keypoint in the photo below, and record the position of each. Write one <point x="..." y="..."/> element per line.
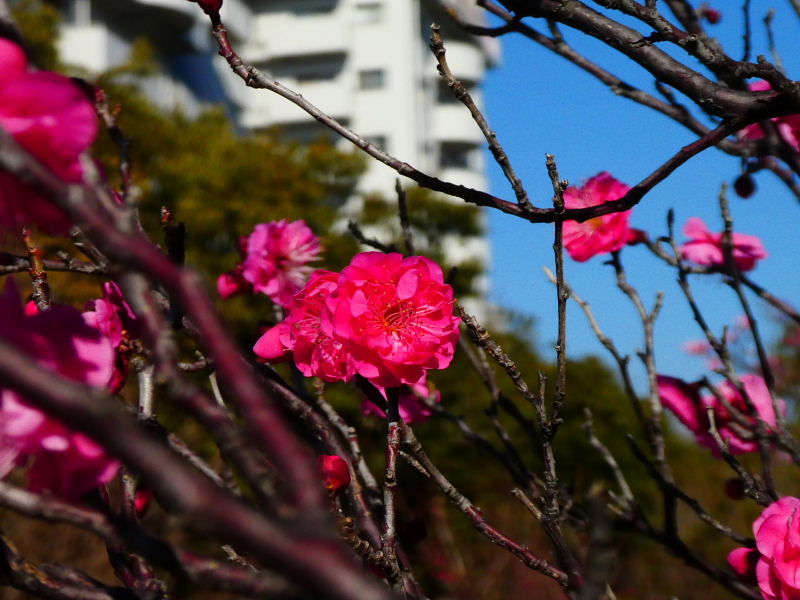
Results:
<point x="705" y="248"/>
<point x="777" y="533"/>
<point x="788" y="126"/>
<point x="231" y="283"/>
<point x="115" y="319"/>
<point x="335" y="473"/>
<point x="275" y="263"/>
<point x="410" y="405"/>
<point x="51" y="118"/>
<point x="684" y="400"/>
<point x="696" y="347"/>
<point x="602" y="234"/>
<point x="316" y="352"/>
<point x="394" y="316"/>
<point x="66" y="463"/>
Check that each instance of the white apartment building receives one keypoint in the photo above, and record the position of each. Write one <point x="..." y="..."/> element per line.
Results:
<point x="364" y="62"/>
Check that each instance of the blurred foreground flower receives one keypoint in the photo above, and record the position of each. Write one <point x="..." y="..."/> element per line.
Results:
<point x="51" y="118"/>
<point x="66" y="463"/>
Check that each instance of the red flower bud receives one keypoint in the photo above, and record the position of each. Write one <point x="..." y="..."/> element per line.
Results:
<point x="210" y="7"/>
<point x="141" y="501"/>
<point x="734" y="489"/>
<point x="712" y="15"/>
<point x="744" y="186"/>
<point x="335" y="473"/>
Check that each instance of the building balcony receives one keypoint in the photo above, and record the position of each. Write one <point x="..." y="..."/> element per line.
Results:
<point x="265" y="109"/>
<point x="238" y="18"/>
<point x="284" y="35"/>
<point x="93" y="47"/>
<point x="453" y="123"/>
<point x="467" y="177"/>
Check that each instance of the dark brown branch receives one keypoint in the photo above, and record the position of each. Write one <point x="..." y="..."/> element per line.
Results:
<point x="464" y="505"/>
<point x="463" y="96"/>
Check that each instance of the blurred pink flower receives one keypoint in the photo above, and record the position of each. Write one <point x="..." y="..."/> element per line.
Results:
<point x="316" y="352"/>
<point x="777" y="533"/>
<point x="115" y="319"/>
<point x="696" y="347"/>
<point x="231" y="283"/>
<point x="51" y="118"/>
<point x="705" y="248"/>
<point x="394" y="316"/>
<point x="602" y="234"/>
<point x="410" y="405"/>
<point x="788" y="126"/>
<point x="66" y="463"/>
<point x="684" y="400"/>
<point x="275" y="261"/>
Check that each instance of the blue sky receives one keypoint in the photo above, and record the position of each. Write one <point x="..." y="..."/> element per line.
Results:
<point x="539" y="103"/>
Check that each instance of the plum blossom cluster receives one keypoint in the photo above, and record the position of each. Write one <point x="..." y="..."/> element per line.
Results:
<point x="600" y="235"/>
<point x="275" y="259"/>
<point x="51" y="118"/>
<point x="63" y="341"/>
<point x="774" y="564"/>
<point x="385" y="317"/>
<point x="684" y="401"/>
<point x="706" y="248"/>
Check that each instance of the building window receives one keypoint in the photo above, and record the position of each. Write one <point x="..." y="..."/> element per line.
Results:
<point x="308" y="69"/>
<point x="456" y="155"/>
<point x="368" y="13"/>
<point x="379" y="141"/>
<point x="371" y="79"/>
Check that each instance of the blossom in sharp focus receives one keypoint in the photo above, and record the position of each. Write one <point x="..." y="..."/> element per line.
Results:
<point x="394" y="316"/>
<point x="601" y="234"/>
<point x="114" y="318"/>
<point x="706" y="248"/>
<point x="51" y="118"/>
<point x="276" y="258"/>
<point x="60" y="339"/>
<point x="788" y="126"/>
<point x="684" y="401"/>
<point x="335" y="473"/>
<point x="775" y="562"/>
<point x="409" y="403"/>
<point x="300" y="336"/>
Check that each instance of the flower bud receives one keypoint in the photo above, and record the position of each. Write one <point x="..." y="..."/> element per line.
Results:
<point x="744" y="186"/>
<point x="734" y="489"/>
<point x="335" y="473"/>
<point x="210" y="7"/>
<point x="712" y="15"/>
<point x="141" y="501"/>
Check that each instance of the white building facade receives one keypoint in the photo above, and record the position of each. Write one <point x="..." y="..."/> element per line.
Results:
<point x="364" y="62"/>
